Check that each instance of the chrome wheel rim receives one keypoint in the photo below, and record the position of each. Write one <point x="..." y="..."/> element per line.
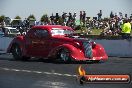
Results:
<point x="64" y="56"/>
<point x="17" y="51"/>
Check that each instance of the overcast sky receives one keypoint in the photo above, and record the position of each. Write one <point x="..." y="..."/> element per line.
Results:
<point x="24" y="8"/>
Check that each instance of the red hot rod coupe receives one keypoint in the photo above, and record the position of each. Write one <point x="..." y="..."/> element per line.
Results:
<point x="55" y="42"/>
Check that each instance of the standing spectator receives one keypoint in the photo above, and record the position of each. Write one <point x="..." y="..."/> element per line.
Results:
<point x="3" y="24"/>
<point x="126" y="16"/>
<point x="74" y="16"/>
<point x="120" y="15"/>
<point x="52" y="19"/>
<point x="112" y="24"/>
<point x="99" y="15"/>
<point x="131" y="16"/>
<point x="88" y="22"/>
<point x="117" y="19"/>
<point x="111" y="15"/>
<point x="57" y="19"/>
<point x="74" y="19"/>
<point x="70" y="17"/>
<point x="126" y="29"/>
<point x="26" y="23"/>
<point x="64" y="16"/>
<point x="83" y="17"/>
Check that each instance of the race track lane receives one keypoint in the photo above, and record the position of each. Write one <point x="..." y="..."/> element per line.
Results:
<point x="43" y="74"/>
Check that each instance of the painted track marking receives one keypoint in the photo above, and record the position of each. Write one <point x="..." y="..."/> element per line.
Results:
<point x="37" y="72"/>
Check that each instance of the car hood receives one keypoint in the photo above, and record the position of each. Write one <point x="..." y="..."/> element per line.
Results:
<point x="73" y="38"/>
<point x="78" y="38"/>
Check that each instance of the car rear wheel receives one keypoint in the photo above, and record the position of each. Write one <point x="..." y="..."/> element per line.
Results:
<point x="64" y="55"/>
<point x="17" y="53"/>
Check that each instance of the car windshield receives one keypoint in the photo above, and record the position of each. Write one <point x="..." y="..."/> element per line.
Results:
<point x="59" y="31"/>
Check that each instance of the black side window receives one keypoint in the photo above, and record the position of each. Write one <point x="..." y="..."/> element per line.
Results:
<point x="41" y="33"/>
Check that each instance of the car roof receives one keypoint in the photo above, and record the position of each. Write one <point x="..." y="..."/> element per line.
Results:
<point x="49" y="27"/>
<point x="9" y="27"/>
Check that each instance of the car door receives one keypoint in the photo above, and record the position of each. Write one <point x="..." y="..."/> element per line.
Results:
<point x="40" y="43"/>
<point x="33" y="42"/>
<point x="45" y="41"/>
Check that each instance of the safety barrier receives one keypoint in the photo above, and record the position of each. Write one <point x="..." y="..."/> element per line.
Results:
<point x="118" y="48"/>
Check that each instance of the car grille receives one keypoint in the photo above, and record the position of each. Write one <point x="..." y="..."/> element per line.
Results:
<point x="87" y="49"/>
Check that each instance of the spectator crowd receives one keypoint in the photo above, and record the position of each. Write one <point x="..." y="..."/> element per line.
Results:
<point x="110" y="25"/>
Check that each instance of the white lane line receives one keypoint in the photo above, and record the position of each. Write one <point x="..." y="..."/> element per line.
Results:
<point x="25" y="70"/>
<point x="67" y="75"/>
<point x="38" y="72"/>
<point x="57" y="74"/>
<point x="15" y="70"/>
<point x="5" y="68"/>
<point x="48" y="73"/>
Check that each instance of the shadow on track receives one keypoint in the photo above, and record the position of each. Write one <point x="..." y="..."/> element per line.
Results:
<point x="58" y="61"/>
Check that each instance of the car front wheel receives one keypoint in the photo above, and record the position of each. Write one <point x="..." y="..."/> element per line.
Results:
<point x="64" y="55"/>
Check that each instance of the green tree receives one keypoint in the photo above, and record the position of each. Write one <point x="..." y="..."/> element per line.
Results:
<point x="17" y="17"/>
<point x="16" y="21"/>
<point x="31" y="17"/>
<point x="2" y="18"/>
<point x="44" y="18"/>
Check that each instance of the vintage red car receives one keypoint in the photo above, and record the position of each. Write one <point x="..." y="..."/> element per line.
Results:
<point x="56" y="42"/>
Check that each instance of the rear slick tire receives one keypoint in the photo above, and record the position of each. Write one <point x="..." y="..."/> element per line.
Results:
<point x="17" y="53"/>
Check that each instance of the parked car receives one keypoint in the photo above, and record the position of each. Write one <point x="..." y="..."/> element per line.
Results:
<point x="11" y="31"/>
<point x="1" y="33"/>
<point x="55" y="42"/>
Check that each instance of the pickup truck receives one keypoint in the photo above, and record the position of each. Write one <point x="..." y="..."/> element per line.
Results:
<point x="55" y="42"/>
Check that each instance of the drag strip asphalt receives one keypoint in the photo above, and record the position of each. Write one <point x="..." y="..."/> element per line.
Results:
<point x="37" y="73"/>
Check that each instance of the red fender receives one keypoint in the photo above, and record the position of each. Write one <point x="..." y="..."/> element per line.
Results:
<point x="20" y="41"/>
<point x="75" y="53"/>
<point x="99" y="52"/>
